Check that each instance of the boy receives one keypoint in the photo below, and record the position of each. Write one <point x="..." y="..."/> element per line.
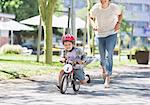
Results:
<point x="71" y="53"/>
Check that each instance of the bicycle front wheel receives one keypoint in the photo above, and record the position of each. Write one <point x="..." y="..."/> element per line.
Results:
<point x="64" y="84"/>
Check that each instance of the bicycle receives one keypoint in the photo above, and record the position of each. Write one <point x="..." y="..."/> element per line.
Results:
<point x="69" y="77"/>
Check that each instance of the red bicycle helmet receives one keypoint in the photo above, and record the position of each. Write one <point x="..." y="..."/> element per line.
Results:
<point x="68" y="37"/>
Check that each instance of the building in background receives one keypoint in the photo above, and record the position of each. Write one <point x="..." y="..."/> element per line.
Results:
<point x="137" y="12"/>
<point x="4" y="34"/>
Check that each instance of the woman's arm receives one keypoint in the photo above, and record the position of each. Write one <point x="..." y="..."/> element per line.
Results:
<point x="120" y="18"/>
<point x="93" y="24"/>
<point x="117" y="26"/>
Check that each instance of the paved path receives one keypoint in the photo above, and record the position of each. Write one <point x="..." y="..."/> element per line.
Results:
<point x="130" y="86"/>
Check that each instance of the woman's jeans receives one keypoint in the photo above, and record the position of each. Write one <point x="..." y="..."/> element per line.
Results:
<point x="106" y="47"/>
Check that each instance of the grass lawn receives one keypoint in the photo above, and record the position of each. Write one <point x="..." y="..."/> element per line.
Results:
<point x="18" y="66"/>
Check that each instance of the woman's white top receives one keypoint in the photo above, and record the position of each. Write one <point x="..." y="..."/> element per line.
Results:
<point x="106" y="19"/>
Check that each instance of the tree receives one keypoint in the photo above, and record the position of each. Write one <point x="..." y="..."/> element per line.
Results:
<point x="21" y="8"/>
<point x="126" y="27"/>
<point x="90" y="32"/>
<point x="28" y="8"/>
<point x="46" y="9"/>
<point x="24" y="9"/>
<point x="7" y="5"/>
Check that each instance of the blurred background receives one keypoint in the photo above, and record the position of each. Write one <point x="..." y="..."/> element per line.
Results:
<point x="20" y="20"/>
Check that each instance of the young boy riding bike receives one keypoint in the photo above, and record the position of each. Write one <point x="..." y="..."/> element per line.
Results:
<point x="73" y="54"/>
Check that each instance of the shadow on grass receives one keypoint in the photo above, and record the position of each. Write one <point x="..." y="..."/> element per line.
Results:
<point x="34" y="62"/>
<point x="14" y="75"/>
<point x="12" y="60"/>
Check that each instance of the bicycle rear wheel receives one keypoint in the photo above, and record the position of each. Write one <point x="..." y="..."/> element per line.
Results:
<point x="76" y="85"/>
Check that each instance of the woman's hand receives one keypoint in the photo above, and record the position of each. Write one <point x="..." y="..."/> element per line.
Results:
<point x="92" y="21"/>
<point x="117" y="26"/>
<point x="95" y="27"/>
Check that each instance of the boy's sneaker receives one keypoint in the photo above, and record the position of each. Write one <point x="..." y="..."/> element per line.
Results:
<point x="89" y="79"/>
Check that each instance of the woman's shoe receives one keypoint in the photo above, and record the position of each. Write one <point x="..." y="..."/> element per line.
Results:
<point x="106" y="85"/>
<point x="107" y="80"/>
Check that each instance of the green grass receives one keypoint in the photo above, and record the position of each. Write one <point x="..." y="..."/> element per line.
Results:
<point x="116" y="63"/>
<point x="18" y="66"/>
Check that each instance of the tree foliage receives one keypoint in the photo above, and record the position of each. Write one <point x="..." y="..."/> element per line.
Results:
<point x="125" y="27"/>
<point x="7" y="5"/>
<point x="24" y="8"/>
<point x="21" y="8"/>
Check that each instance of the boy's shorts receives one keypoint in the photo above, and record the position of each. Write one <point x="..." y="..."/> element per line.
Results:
<point x="79" y="74"/>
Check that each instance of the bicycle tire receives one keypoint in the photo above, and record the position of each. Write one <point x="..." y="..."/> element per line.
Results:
<point x="64" y="84"/>
<point x="76" y="85"/>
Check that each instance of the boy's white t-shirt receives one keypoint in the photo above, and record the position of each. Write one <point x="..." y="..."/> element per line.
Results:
<point x="106" y="19"/>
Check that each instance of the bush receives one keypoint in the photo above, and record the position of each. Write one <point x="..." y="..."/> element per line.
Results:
<point x="11" y="49"/>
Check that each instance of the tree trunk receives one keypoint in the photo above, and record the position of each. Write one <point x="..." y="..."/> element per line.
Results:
<point x="46" y="8"/>
<point x="89" y="29"/>
<point x="88" y="26"/>
<point x="48" y="41"/>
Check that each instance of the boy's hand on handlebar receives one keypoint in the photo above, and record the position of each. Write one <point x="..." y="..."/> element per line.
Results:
<point x="81" y="62"/>
<point x="62" y="60"/>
